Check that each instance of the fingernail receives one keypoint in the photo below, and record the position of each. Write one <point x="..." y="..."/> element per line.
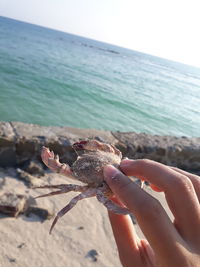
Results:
<point x="110" y="173"/>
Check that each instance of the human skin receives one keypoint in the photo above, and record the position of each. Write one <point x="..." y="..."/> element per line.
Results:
<point x="168" y="244"/>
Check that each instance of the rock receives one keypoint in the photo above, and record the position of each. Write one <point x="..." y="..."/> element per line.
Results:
<point x="7" y="145"/>
<point x="181" y="152"/>
<point x="15" y="204"/>
<point x="2" y="182"/>
<point x="6" y="131"/>
<point x="28" y="179"/>
<point x="21" y="143"/>
<point x="92" y="254"/>
<point x="12" y="260"/>
<point x="43" y="214"/>
<point x="12" y="204"/>
<point x="21" y="245"/>
<point x="80" y="228"/>
<point x="34" y="167"/>
<point x="55" y="133"/>
<point x="8" y="157"/>
<point x="33" y="208"/>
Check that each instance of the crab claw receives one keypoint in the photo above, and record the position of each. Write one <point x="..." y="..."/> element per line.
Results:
<point x="46" y="155"/>
<point x="53" y="163"/>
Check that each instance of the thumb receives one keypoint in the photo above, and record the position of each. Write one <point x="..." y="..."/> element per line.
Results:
<point x="121" y="185"/>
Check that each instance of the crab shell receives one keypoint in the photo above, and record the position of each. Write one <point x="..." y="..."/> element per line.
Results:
<point x="88" y="168"/>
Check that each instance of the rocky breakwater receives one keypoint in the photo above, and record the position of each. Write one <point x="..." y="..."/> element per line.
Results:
<point x="21" y="168"/>
<point x="20" y="148"/>
<point x="21" y="143"/>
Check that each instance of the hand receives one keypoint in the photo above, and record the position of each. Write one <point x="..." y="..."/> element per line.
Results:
<point x="169" y="243"/>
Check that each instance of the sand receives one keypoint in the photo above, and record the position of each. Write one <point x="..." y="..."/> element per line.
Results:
<point x="82" y="238"/>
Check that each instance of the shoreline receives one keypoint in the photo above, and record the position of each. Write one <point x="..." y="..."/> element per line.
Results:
<point x="21" y="142"/>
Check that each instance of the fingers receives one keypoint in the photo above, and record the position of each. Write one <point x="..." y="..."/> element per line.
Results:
<point x="150" y="215"/>
<point x="133" y="251"/>
<point x="126" y="239"/>
<point x="195" y="179"/>
<point x="179" y="191"/>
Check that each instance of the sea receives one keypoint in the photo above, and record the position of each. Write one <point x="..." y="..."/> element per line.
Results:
<point x="49" y="77"/>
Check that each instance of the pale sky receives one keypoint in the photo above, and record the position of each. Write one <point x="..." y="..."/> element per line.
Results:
<point x="165" y="28"/>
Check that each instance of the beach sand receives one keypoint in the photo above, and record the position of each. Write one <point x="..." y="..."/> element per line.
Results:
<point x="82" y="238"/>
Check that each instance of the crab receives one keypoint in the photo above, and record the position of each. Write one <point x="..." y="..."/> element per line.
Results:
<point x="88" y="168"/>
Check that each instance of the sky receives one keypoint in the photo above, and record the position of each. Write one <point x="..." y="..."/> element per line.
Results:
<point x="164" y="28"/>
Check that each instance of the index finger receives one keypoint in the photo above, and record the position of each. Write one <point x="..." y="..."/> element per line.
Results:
<point x="195" y="179"/>
<point x="178" y="188"/>
<point x="152" y="218"/>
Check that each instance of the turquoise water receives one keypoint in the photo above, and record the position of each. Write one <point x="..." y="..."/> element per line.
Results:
<point x="53" y="78"/>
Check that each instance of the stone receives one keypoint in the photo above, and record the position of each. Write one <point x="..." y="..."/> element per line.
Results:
<point x="6" y="130"/>
<point x="43" y="214"/>
<point x="182" y="152"/>
<point x="34" y="167"/>
<point x="8" y="157"/>
<point x="21" y="143"/>
<point x="7" y="145"/>
<point x="92" y="255"/>
<point x="28" y="179"/>
<point x="12" y="204"/>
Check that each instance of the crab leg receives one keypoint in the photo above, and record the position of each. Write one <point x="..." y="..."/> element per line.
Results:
<point x="88" y="193"/>
<point x="53" y="163"/>
<point x="109" y="204"/>
<point x="64" y="188"/>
